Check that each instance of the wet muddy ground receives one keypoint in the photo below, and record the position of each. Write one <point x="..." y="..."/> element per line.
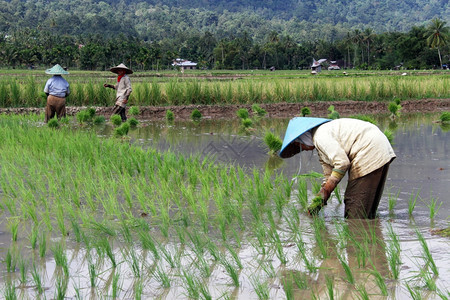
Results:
<point x="422" y="166"/>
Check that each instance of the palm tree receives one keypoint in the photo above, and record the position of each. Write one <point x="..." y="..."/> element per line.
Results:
<point x="437" y="35"/>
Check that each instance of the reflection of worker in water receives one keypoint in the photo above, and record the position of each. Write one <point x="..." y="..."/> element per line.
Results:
<point x="123" y="89"/>
<point x="343" y="145"/>
<point x="56" y="89"/>
<point x="365" y="251"/>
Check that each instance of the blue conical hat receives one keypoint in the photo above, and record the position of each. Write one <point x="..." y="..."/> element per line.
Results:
<point x="56" y="70"/>
<point x="297" y="127"/>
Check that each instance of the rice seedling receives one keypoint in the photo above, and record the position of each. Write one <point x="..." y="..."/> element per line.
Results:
<point x="337" y="194"/>
<point x="305" y="111"/>
<point x="381" y="283"/>
<point x="231" y="271"/>
<point x="116" y="285"/>
<point x="319" y="225"/>
<point x="426" y="253"/>
<point x="122" y="129"/>
<point x="162" y="277"/>
<point x="61" y="288"/>
<point x="9" y="291"/>
<point x="37" y="280"/>
<point x="196" y="115"/>
<point x="99" y="120"/>
<point x="172" y="260"/>
<point x="273" y="142"/>
<point x="92" y="271"/>
<point x="42" y="244"/>
<point x="362" y="292"/>
<point x="394" y="109"/>
<point x="412" y="202"/>
<point x="133" y="122"/>
<point x="301" y="280"/>
<point x="13" y="224"/>
<point x="288" y="287"/>
<point x="246" y="123"/>
<point x="60" y="258"/>
<point x="261" y="288"/>
<point x="329" y="281"/>
<point x="106" y="247"/>
<point x="389" y="135"/>
<point x="333" y="113"/>
<point x="138" y="289"/>
<point x="170" y="116"/>
<point x="53" y="123"/>
<point x="10" y="261"/>
<point x="242" y="113"/>
<point x="414" y="292"/>
<point x="309" y="263"/>
<point x="347" y="269"/>
<point x="23" y="271"/>
<point x="433" y="206"/>
<point x="428" y="279"/>
<point x="115" y="120"/>
<point x="258" y="110"/>
<point x="235" y="256"/>
<point x="444" y="117"/>
<point x="393" y="253"/>
<point x="392" y="201"/>
<point x="134" y="110"/>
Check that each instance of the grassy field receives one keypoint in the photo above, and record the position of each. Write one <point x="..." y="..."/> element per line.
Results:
<point x="24" y="88"/>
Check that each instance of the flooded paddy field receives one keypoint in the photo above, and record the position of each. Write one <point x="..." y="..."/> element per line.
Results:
<point x="118" y="219"/>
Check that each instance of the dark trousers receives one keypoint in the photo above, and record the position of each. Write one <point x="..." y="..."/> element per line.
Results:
<point x="55" y="105"/>
<point x="119" y="110"/>
<point x="363" y="194"/>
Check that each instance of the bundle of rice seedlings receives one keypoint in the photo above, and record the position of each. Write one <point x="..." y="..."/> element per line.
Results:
<point x="273" y="142"/>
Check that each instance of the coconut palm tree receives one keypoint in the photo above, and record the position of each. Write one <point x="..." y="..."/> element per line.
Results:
<point x="437" y="35"/>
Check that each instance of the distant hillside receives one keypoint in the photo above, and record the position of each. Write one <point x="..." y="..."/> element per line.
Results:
<point x="155" y="20"/>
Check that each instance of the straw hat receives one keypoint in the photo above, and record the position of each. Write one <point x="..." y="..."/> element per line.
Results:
<point x="297" y="127"/>
<point x="56" y="70"/>
<point x="123" y="67"/>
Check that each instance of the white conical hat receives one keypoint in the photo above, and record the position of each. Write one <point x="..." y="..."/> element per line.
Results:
<point x="56" y="70"/>
<point x="123" y="67"/>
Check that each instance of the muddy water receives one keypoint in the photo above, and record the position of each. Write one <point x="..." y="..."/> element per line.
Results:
<point x="422" y="167"/>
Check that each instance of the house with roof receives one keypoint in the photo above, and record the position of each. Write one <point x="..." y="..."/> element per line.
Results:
<point x="184" y="64"/>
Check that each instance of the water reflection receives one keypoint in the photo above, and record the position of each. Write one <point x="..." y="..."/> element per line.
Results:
<point x="421" y="145"/>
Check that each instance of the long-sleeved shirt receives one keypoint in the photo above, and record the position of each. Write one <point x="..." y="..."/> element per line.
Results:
<point x="123" y="90"/>
<point x="57" y="86"/>
<point x="351" y="145"/>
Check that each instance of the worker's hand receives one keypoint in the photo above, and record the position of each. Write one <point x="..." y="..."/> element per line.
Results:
<point x="316" y="205"/>
<point x="125" y="101"/>
<point x="328" y="187"/>
<point x="108" y="86"/>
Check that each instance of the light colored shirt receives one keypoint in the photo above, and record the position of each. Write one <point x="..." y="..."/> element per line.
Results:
<point x="123" y="90"/>
<point x="351" y="145"/>
<point x="57" y="86"/>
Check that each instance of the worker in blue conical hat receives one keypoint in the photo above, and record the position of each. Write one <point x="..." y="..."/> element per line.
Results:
<point x="123" y="89"/>
<point x="57" y="89"/>
<point x="344" y="145"/>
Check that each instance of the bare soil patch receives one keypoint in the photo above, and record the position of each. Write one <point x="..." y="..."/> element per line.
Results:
<point x="274" y="110"/>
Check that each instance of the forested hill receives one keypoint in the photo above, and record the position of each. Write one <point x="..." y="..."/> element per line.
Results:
<point x="156" y="20"/>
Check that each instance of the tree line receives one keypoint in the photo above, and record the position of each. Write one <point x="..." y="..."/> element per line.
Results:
<point x="422" y="47"/>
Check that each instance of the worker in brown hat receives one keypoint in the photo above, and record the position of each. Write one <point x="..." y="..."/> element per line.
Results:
<point x="123" y="89"/>
<point x="57" y="89"/>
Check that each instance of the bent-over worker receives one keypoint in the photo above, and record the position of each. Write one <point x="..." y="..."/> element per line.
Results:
<point x="343" y="145"/>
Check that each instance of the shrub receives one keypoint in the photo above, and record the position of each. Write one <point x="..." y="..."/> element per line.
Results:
<point x="116" y="120"/>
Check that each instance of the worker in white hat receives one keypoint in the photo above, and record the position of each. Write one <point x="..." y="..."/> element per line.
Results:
<point x="123" y="89"/>
<point x="56" y="89"/>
